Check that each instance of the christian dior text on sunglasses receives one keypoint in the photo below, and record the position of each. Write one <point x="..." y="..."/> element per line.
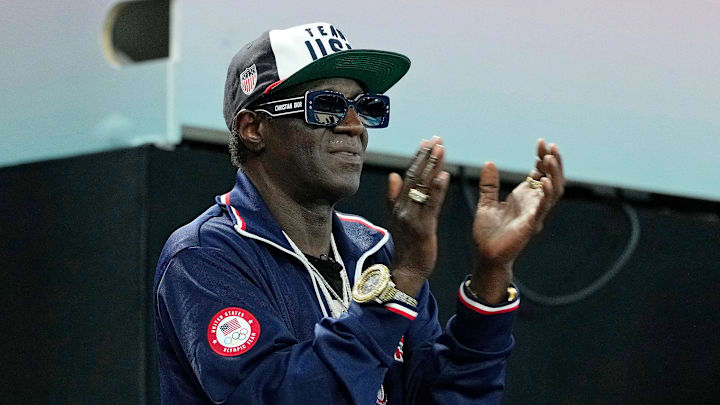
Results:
<point x="328" y="108"/>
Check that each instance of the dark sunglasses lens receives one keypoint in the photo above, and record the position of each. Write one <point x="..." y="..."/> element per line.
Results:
<point x="328" y="109"/>
<point x="371" y="110"/>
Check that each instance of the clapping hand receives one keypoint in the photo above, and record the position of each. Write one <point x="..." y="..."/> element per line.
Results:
<point x="415" y="203"/>
<point x="502" y="229"/>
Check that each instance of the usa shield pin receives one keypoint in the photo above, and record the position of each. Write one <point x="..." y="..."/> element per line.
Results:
<point x="248" y="79"/>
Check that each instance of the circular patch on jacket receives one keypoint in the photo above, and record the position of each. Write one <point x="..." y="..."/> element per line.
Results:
<point x="233" y="331"/>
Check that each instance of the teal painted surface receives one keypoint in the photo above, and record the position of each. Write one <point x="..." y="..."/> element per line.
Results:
<point x="60" y="95"/>
<point x="629" y="91"/>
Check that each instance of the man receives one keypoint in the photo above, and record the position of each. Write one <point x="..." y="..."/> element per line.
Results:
<point x="254" y="302"/>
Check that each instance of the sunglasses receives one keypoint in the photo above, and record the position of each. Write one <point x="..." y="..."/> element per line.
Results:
<point x="328" y="108"/>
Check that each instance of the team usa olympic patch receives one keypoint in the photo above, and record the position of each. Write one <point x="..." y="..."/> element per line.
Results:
<point x="233" y="331"/>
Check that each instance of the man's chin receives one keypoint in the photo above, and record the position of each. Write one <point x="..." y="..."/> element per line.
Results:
<point x="344" y="187"/>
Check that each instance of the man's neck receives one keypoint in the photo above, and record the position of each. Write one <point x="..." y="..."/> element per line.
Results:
<point x="307" y="223"/>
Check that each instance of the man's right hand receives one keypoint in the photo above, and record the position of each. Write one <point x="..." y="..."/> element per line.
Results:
<point x="414" y="223"/>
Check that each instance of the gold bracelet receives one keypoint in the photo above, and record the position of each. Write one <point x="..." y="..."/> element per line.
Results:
<point x="511" y="291"/>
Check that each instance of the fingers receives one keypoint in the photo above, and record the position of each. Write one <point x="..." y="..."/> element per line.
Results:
<point x="489" y="185"/>
<point x="555" y="174"/>
<point x="542" y="149"/>
<point x="548" y="163"/>
<point x="418" y="164"/>
<point x="555" y="151"/>
<point x="547" y="201"/>
<point x="395" y="184"/>
<point x="535" y="174"/>
<point x="438" y="190"/>
<point x="425" y="181"/>
<point x="424" y="176"/>
<point x="548" y="194"/>
<point x="539" y="170"/>
<point x="418" y="161"/>
<point x="431" y="166"/>
<point x="549" y="171"/>
<point x="424" y="167"/>
<point x="552" y="168"/>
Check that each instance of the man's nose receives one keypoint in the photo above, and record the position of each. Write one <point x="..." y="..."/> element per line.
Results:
<point x="351" y="123"/>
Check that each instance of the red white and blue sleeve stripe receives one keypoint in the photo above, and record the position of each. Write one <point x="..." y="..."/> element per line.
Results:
<point x="483" y="327"/>
<point x="403" y="309"/>
<point x="467" y="299"/>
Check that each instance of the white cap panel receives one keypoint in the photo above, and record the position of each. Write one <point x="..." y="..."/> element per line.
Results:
<point x="298" y="46"/>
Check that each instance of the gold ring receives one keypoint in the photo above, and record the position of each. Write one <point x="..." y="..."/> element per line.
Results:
<point x="418" y="196"/>
<point x="536" y="184"/>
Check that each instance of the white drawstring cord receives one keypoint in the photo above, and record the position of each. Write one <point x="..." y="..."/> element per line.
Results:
<point x="316" y="277"/>
<point x="317" y="293"/>
<point x="308" y="267"/>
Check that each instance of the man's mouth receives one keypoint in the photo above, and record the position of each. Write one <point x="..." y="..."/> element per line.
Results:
<point x="346" y="150"/>
<point x="348" y="156"/>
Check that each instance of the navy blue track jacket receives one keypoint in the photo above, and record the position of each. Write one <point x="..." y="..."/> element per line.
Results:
<point x="238" y="321"/>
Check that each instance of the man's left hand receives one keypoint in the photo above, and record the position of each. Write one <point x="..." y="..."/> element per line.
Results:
<point x="503" y="228"/>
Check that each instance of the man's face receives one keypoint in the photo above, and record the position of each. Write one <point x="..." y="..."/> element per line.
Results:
<point x="317" y="162"/>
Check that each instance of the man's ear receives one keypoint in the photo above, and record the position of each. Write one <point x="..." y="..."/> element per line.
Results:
<point x="249" y="131"/>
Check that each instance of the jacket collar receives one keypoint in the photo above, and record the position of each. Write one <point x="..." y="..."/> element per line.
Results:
<point x="356" y="237"/>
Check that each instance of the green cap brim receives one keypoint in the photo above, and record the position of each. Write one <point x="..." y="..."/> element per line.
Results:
<point x="377" y="71"/>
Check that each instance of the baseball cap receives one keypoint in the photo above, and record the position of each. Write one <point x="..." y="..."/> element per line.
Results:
<point x="279" y="59"/>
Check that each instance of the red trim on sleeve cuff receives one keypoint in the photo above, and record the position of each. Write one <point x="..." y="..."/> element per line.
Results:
<point x="402" y="310"/>
<point x="484" y="309"/>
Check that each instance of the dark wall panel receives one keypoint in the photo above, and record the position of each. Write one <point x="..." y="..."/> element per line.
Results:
<point x="72" y="242"/>
<point x="648" y="337"/>
<point x="79" y="239"/>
